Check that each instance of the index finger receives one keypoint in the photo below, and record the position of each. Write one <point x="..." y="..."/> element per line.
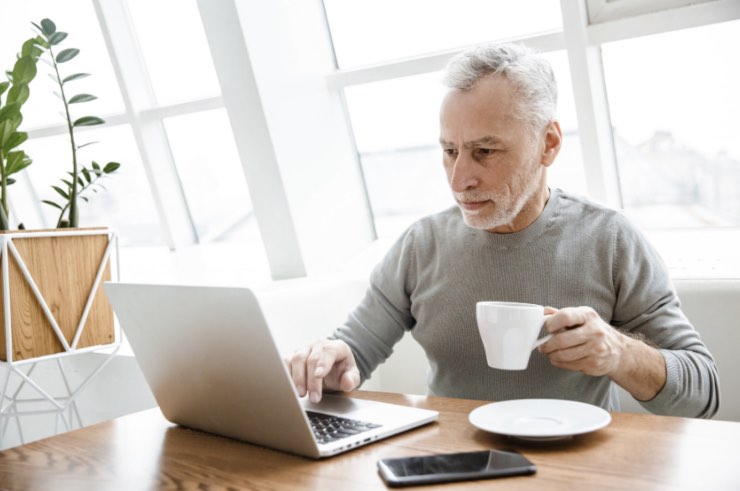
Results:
<point x="324" y="355"/>
<point x="566" y="318"/>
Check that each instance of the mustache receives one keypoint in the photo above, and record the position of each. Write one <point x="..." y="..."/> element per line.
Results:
<point x="468" y="196"/>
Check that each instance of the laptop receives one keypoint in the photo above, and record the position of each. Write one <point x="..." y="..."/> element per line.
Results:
<point x="212" y="364"/>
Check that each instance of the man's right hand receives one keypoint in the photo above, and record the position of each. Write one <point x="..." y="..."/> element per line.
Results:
<point x="326" y="364"/>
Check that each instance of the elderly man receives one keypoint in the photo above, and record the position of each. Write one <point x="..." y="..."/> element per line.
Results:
<point x="616" y="317"/>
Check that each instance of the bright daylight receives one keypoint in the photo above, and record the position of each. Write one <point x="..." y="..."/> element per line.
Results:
<point x="354" y="244"/>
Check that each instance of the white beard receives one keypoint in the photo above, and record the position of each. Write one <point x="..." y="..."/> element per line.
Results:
<point x="505" y="208"/>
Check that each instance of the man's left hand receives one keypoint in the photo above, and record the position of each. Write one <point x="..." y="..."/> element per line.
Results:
<point x="583" y="342"/>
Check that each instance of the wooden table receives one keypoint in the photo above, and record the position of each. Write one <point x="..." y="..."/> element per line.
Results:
<point x="143" y="451"/>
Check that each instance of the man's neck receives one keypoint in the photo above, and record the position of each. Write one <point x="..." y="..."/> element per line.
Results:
<point x="528" y="215"/>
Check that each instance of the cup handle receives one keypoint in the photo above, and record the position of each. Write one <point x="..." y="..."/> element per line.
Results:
<point x="545" y="338"/>
<point x="542" y="340"/>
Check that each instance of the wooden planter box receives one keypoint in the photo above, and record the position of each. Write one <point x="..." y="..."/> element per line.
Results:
<point x="64" y="265"/>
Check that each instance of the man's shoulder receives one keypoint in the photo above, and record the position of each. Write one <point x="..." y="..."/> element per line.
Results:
<point x="440" y="222"/>
<point x="578" y="206"/>
<point x="586" y="214"/>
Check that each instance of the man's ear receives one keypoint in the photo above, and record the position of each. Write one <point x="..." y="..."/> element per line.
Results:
<point x="553" y="138"/>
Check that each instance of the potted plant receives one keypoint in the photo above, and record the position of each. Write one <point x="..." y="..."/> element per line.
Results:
<point x="53" y="300"/>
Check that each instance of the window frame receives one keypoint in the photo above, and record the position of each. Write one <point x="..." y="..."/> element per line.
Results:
<point x="581" y="38"/>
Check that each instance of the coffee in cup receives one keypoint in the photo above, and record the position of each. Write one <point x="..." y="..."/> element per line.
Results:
<point x="509" y="332"/>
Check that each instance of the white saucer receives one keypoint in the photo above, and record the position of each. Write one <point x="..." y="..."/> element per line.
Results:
<point x="539" y="419"/>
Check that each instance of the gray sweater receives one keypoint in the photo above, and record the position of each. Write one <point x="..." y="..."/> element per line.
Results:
<point x="576" y="253"/>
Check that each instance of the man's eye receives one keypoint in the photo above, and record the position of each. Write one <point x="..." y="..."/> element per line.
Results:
<point x="486" y="151"/>
<point x="449" y="152"/>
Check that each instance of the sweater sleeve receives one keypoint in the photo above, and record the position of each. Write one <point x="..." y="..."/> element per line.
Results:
<point x="384" y="314"/>
<point x="647" y="304"/>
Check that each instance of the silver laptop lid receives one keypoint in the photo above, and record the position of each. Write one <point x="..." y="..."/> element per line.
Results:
<point x="211" y="362"/>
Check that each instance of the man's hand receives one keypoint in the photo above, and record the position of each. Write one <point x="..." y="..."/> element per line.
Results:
<point x="583" y="342"/>
<point x="594" y="348"/>
<point x="326" y="364"/>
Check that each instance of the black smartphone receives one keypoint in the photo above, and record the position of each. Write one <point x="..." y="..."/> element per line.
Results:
<point x="430" y="469"/>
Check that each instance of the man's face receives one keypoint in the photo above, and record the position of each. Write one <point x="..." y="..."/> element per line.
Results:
<point x="495" y="167"/>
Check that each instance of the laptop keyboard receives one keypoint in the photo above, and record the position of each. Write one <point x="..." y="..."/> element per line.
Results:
<point x="328" y="428"/>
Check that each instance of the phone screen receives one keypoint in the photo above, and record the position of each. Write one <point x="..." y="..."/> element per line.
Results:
<point x="454" y="467"/>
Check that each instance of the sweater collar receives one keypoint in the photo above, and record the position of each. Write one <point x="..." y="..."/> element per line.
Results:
<point x="534" y="230"/>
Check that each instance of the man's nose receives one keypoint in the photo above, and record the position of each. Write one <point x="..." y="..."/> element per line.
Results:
<point x="464" y="175"/>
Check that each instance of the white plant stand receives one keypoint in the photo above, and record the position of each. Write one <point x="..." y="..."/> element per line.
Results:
<point x="13" y="401"/>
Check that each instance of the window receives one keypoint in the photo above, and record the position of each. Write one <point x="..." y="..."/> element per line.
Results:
<point x="371" y="31"/>
<point x="77" y="18"/>
<point x="670" y="76"/>
<point x="179" y="64"/>
<point x="179" y="70"/>
<point x="210" y="173"/>
<point x="125" y="204"/>
<point x="674" y="100"/>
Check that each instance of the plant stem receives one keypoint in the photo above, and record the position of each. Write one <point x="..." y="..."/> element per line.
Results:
<point x="61" y="214"/>
<point x="72" y="203"/>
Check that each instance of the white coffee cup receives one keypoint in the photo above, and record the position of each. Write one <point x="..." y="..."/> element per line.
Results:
<point x="509" y="332"/>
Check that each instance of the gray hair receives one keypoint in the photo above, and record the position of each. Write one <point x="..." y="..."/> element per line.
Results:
<point x="530" y="73"/>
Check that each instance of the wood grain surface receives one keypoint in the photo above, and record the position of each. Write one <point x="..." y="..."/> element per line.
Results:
<point x="64" y="270"/>
<point x="143" y="451"/>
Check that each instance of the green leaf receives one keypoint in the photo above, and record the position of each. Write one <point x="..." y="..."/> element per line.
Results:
<point x="61" y="192"/>
<point x="84" y="198"/>
<point x="5" y="132"/>
<point x="9" y="181"/>
<point x="9" y="74"/>
<point x="42" y="44"/>
<point x="96" y="169"/>
<point x="85" y="144"/>
<point x="10" y="120"/>
<point x="8" y="126"/>
<point x="82" y="98"/>
<point x="31" y="48"/>
<point x="80" y="182"/>
<point x="86" y="175"/>
<point x="88" y="121"/>
<point x="16" y="161"/>
<point x="67" y="54"/>
<point x="9" y="110"/>
<point x="51" y="203"/>
<point x="111" y="167"/>
<point x="75" y="77"/>
<point x="57" y="37"/>
<point x="48" y="27"/>
<point x="68" y="183"/>
<point x="3" y="87"/>
<point x="15" y="140"/>
<point x="19" y="93"/>
<point x="24" y="70"/>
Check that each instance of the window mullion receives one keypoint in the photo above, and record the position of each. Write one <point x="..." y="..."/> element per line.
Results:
<point x="150" y="135"/>
<point x="592" y="108"/>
